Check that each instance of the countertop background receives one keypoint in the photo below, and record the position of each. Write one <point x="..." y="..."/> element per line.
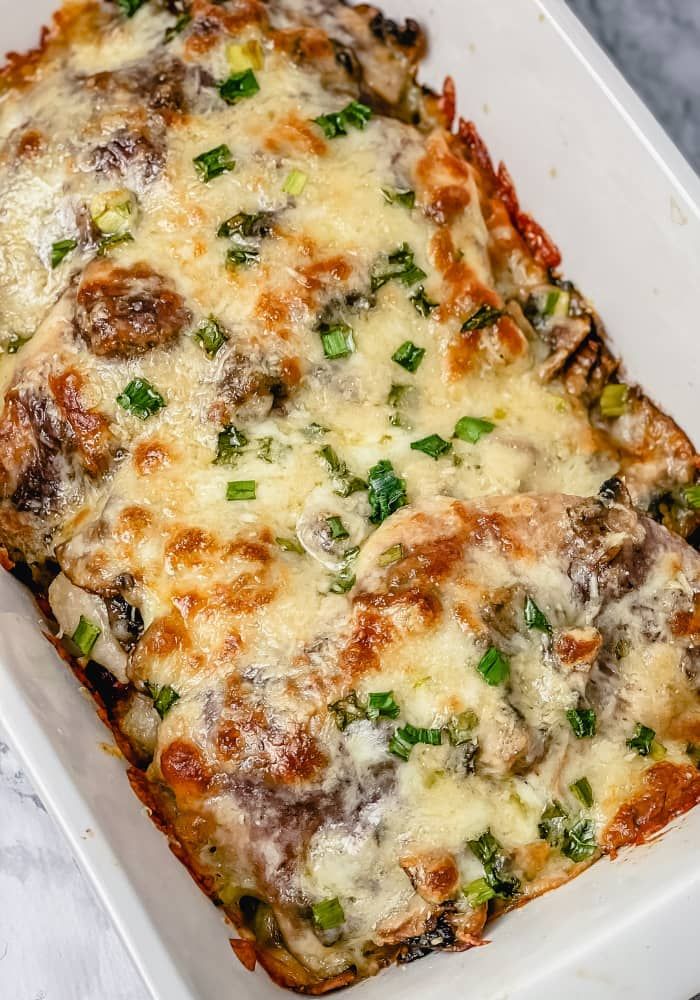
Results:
<point x="56" y="942"/>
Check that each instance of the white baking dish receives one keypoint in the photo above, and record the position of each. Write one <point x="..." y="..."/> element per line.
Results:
<point x="597" y="171"/>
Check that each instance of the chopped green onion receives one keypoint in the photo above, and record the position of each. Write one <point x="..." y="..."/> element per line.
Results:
<point x="328" y="914"/>
<point x="129" y="7"/>
<point x="211" y="337"/>
<point x="229" y="446"/>
<point x="314" y="430"/>
<point x="421" y="303"/>
<point x="404" y="269"/>
<point x="86" y="635"/>
<point x="644" y="741"/>
<point x="113" y="240"/>
<point x="249" y="55"/>
<point x="478" y="892"/>
<point x="265" y="450"/>
<point x="393" y="196"/>
<point x="579" y="842"/>
<point x="337" y="528"/>
<point x="343" y="581"/>
<point x="347" y="710"/>
<point x="490" y="853"/>
<point x="582" y="721"/>
<point x="240" y="256"/>
<point x="553" y="824"/>
<point x="246" y="225"/>
<point x="483" y="316"/>
<point x="141" y="399"/>
<point x="404" y="739"/>
<point x="545" y="303"/>
<point x="336" y="122"/>
<point x="344" y="482"/>
<point x="472" y="429"/>
<point x="163" y="697"/>
<point x="460" y="727"/>
<point x="622" y="648"/>
<point x="433" y="445"/>
<point x="613" y="400"/>
<point x="494" y="667"/>
<point x="239" y="86"/>
<point x="408" y="356"/>
<point x="290" y="545"/>
<point x="693" y="751"/>
<point x="180" y="24"/>
<point x="391" y="555"/>
<point x="691" y="495"/>
<point x="583" y="792"/>
<point x="295" y="183"/>
<point x="60" y="250"/>
<point x="382" y="704"/>
<point x="337" y="341"/>
<point x="241" y="489"/>
<point x="534" y="619"/>
<point x="112" y="211"/>
<point x="387" y="493"/>
<point x="214" y="162"/>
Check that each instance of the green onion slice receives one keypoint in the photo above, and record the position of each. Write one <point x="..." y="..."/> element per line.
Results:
<point x="494" y="667"/>
<point x="404" y="739"/>
<point x="691" y="495"/>
<point x="583" y="792"/>
<point x="345" y="484"/>
<point x="534" y="618"/>
<point x="295" y="183"/>
<point x="613" y="399"/>
<point x="211" y="337"/>
<point x="402" y="268"/>
<point x="391" y="555"/>
<point x="553" y="824"/>
<point x="644" y="741"/>
<point x="478" y="892"/>
<point x="421" y="303"/>
<point x="337" y="341"/>
<point x="163" y="697"/>
<point x="482" y="317"/>
<point x="582" y="722"/>
<point x="386" y="491"/>
<point x="129" y="7"/>
<point x="328" y="914"/>
<point x="393" y="196"/>
<point x="337" y="122"/>
<point x="471" y="429"/>
<point x="290" y="545"/>
<point x="86" y="635"/>
<point x="241" y="489"/>
<point x="579" y="841"/>
<point x="230" y="445"/>
<point x="214" y="162"/>
<point x="409" y="356"/>
<point x="336" y="528"/>
<point x="141" y="399"/>
<point x="433" y="445"/>
<point x="239" y="86"/>
<point x="247" y="225"/>
<point x="60" y="250"/>
<point x="381" y="704"/>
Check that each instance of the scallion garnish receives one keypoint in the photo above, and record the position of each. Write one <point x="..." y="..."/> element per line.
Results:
<point x="494" y="667"/>
<point x="112" y="212"/>
<point x="481" y="317"/>
<point x="553" y="824"/>
<point x="405" y="738"/>
<point x="387" y="493"/>
<point x="241" y="489"/>
<point x="249" y="55"/>
<point x="691" y="495"/>
<point x="328" y="914"/>
<point x="434" y="446"/>
<point x="214" y="162"/>
<point x="290" y="545"/>
<point x="337" y="528"/>
<point x="229" y="446"/>
<point x="337" y="340"/>
<point x="163" y="697"/>
<point x="472" y="429"/>
<point x="402" y="267"/>
<point x="394" y="196"/>
<point x="295" y="183"/>
<point x="129" y="7"/>
<point x="265" y="450"/>
<point x="343" y="581"/>
<point x="336" y="122"/>
<point x="347" y="710"/>
<point x="545" y="303"/>
<point x="534" y="619"/>
<point x="613" y="399"/>
<point x="381" y="704"/>
<point x="248" y="225"/>
<point x="141" y="399"/>
<point x="343" y="480"/>
<point x="391" y="555"/>
<point x="112" y="240"/>
<point x="86" y="635"/>
<point x="693" y="751"/>
<point x="644" y="741"/>
<point x="240" y="256"/>
<point x="459" y="728"/>
<point x="211" y="337"/>
<point x="421" y="303"/>
<point x="181" y="23"/>
<point x="583" y="792"/>
<point x="239" y="86"/>
<point x="490" y="853"/>
<point x="582" y="722"/>
<point x="60" y="250"/>
<point x="579" y="841"/>
<point x="408" y="356"/>
<point x="478" y="892"/>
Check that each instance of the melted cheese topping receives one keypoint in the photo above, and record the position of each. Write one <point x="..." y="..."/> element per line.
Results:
<point x="270" y="799"/>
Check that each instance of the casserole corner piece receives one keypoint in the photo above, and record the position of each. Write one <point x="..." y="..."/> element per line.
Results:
<point x="327" y="482"/>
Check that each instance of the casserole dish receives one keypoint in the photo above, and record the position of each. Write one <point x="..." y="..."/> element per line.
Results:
<point x="671" y="297"/>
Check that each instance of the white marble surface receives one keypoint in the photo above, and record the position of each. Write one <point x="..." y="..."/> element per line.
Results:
<point x="56" y="943"/>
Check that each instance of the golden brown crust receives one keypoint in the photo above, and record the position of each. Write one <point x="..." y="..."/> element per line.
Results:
<point x="668" y="790"/>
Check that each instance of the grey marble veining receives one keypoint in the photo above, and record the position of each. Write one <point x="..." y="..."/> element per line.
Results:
<point x="56" y="943"/>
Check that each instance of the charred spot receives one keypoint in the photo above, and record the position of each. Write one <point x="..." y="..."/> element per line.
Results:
<point x="613" y="491"/>
<point x="125" y="621"/>
<point x="385" y="29"/>
<point x="439" y="937"/>
<point x="346" y="58"/>
<point x="121" y="312"/>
